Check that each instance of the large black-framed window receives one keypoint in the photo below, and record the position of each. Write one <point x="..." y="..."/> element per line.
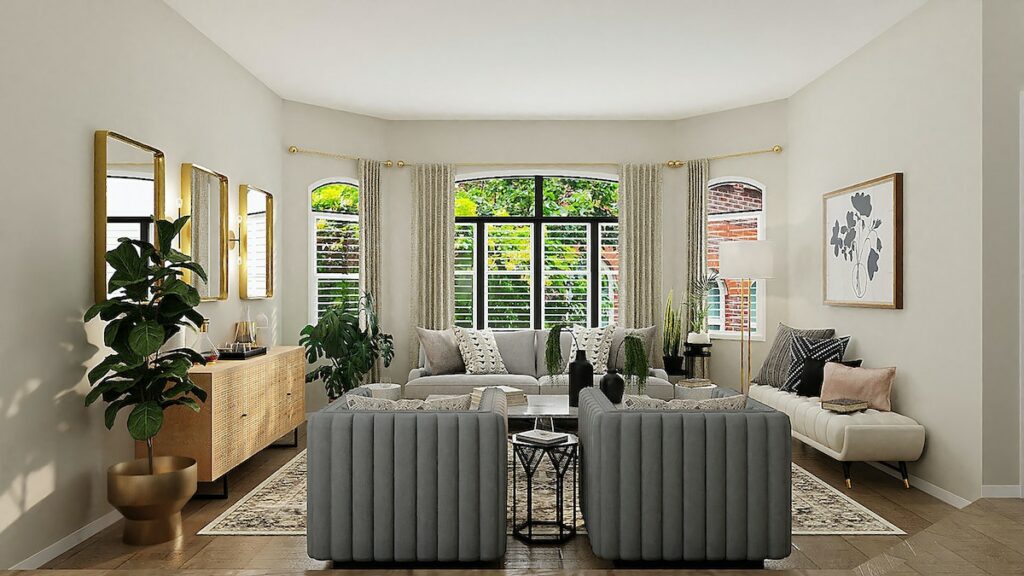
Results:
<point x="534" y="251"/>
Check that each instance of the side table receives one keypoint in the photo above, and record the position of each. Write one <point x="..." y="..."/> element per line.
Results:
<point x="562" y="456"/>
<point x="698" y="360"/>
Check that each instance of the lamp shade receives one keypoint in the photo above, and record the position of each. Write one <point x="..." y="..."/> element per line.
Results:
<point x="754" y="259"/>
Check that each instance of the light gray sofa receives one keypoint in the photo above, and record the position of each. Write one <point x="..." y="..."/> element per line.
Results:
<point x="522" y="352"/>
<point x="685" y="485"/>
<point x="407" y="486"/>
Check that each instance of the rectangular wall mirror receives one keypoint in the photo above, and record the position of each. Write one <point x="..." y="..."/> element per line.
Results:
<point x="204" y="197"/>
<point x="128" y="190"/>
<point x="256" y="240"/>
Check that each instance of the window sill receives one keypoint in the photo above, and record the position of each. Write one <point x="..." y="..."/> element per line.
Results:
<point x="755" y="337"/>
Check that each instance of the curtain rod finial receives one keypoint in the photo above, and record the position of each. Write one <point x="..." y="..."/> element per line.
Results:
<point x="387" y="163"/>
<point x="776" y="148"/>
<point x="293" y="149"/>
<point x="401" y="163"/>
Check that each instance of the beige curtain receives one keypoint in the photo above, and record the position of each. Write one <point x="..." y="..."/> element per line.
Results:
<point x="434" y="249"/>
<point x="639" y="245"/>
<point x="369" y="237"/>
<point x="696" y="226"/>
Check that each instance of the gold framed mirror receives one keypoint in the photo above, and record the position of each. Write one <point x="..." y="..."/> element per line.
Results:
<point x="204" y="197"/>
<point x="128" y="197"/>
<point x="256" y="243"/>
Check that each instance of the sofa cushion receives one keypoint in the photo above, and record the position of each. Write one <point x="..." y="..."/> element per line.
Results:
<point x="809" y="419"/>
<point x="617" y="357"/>
<point x="738" y="402"/>
<point x="441" y="351"/>
<point x="802" y="349"/>
<point x="873" y="385"/>
<point x="517" y="348"/>
<point x="479" y="351"/>
<point x="776" y="364"/>
<point x="464" y="384"/>
<point x="597" y="342"/>
<point x="542" y="341"/>
<point x="452" y="403"/>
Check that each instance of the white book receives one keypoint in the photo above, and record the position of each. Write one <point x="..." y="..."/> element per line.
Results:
<point x="543" y="437"/>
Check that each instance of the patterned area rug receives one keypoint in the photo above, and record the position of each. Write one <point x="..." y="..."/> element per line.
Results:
<point x="278" y="505"/>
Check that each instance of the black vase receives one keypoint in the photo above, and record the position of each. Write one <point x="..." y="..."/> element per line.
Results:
<point x="581" y="375"/>
<point x="613" y="386"/>
<point x="673" y="364"/>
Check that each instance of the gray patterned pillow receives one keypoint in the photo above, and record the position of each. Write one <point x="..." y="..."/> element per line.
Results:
<point x="597" y="342"/>
<point x="365" y="403"/>
<point x="479" y="351"/>
<point x="775" y="368"/>
<point x="737" y="402"/>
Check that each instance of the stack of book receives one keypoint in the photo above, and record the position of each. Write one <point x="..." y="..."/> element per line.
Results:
<point x="513" y="396"/>
<point x="844" y="405"/>
<point x="543" y="437"/>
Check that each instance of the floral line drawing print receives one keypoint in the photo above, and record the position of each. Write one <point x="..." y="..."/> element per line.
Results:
<point x="857" y="241"/>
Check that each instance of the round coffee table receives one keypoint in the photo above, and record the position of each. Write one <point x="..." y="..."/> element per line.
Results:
<point x="562" y="456"/>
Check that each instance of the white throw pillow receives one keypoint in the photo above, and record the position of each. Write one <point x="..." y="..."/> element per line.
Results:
<point x="597" y="342"/>
<point x="365" y="403"/>
<point x="479" y="351"/>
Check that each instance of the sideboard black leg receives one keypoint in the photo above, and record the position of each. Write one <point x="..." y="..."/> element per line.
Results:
<point x="223" y="495"/>
<point x="295" y="440"/>
<point x="846" y="474"/>
<point x="906" y="476"/>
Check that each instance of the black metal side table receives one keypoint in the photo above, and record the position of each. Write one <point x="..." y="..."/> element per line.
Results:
<point x="562" y="456"/>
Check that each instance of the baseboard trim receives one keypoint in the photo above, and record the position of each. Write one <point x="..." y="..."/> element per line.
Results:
<point x="926" y="487"/>
<point x="996" y="491"/>
<point x="68" y="542"/>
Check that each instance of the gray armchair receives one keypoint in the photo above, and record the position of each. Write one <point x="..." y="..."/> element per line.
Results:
<point x="407" y="486"/>
<point x="685" y="485"/>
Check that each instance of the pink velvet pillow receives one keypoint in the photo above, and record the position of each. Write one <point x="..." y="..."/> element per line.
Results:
<point x="872" y="385"/>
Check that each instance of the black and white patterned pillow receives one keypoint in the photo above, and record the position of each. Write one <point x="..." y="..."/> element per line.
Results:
<point x="596" y="342"/>
<point x="776" y="364"/>
<point x="803" y="348"/>
<point x="479" y="351"/>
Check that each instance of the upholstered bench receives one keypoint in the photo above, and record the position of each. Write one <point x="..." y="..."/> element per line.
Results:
<point x="866" y="436"/>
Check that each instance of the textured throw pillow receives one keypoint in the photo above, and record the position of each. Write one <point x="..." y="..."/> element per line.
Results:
<point x="479" y="351"/>
<point x="776" y="365"/>
<point x="597" y="342"/>
<point x="737" y="402"/>
<point x="365" y="403"/>
<point x="813" y="374"/>
<point x="442" y="351"/>
<point x="873" y="385"/>
<point x="617" y="354"/>
<point x="803" y="349"/>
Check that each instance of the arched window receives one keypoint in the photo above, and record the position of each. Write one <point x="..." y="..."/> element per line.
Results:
<point x="535" y="251"/>
<point x="735" y="212"/>
<point x="334" y="225"/>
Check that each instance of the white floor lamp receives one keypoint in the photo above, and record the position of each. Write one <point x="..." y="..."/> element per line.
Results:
<point x="746" y="260"/>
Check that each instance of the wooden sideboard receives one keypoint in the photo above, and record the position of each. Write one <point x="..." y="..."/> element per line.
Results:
<point x="250" y="404"/>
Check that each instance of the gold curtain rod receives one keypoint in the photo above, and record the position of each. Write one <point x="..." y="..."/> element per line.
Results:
<point x="402" y="163"/>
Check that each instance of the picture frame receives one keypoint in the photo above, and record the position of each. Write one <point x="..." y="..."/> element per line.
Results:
<point x="862" y="244"/>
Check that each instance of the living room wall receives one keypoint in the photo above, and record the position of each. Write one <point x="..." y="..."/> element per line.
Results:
<point x="911" y="102"/>
<point x="71" y="67"/>
<point x="518" y="141"/>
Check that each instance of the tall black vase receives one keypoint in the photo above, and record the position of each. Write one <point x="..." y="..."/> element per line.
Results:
<point x="581" y="375"/>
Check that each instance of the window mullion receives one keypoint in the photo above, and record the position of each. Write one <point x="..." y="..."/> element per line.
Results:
<point x="537" y="235"/>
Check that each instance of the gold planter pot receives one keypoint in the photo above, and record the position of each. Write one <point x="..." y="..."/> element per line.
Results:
<point x="151" y="503"/>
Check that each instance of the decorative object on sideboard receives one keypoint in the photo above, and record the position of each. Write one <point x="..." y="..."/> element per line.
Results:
<point x="351" y="350"/>
<point x="697" y="303"/>
<point x="747" y="260"/>
<point x="863" y="248"/>
<point x="236" y="351"/>
<point x="148" y="304"/>
<point x="671" y="336"/>
<point x="202" y="343"/>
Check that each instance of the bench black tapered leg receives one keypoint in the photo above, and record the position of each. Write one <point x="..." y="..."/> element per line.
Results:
<point x="846" y="474"/>
<point x="903" y="473"/>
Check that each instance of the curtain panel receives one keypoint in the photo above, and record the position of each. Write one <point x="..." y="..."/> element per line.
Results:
<point x="696" y="227"/>
<point x="434" y="256"/>
<point x="640" y="245"/>
<point x="369" y="241"/>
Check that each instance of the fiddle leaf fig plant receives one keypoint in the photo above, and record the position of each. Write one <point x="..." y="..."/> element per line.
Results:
<point x="148" y="304"/>
<point x="350" y="347"/>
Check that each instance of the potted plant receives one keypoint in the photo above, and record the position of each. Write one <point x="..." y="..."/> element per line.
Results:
<point x="581" y="371"/>
<point x="350" y="347"/>
<point x="635" y="368"/>
<point x="148" y="305"/>
<point x="699" y="307"/>
<point x="672" y="336"/>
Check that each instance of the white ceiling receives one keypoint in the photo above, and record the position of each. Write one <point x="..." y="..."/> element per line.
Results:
<point x="539" y="59"/>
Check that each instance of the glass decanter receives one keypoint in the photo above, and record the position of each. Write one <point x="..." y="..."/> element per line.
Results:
<point x="203" y="345"/>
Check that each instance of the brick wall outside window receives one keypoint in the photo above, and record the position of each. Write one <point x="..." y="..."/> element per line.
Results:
<point x="734" y="209"/>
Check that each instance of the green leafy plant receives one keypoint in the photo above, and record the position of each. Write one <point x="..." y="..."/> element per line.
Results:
<point x="672" y="331"/>
<point x="148" y="304"/>
<point x="350" y="347"/>
<point x="553" y="360"/>
<point x="698" y="302"/>
<point x="635" y="367"/>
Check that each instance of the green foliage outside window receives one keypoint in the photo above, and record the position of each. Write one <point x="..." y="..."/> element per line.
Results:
<point x="336" y="197"/>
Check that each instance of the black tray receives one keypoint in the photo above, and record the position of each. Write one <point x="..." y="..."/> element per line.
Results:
<point x="228" y="354"/>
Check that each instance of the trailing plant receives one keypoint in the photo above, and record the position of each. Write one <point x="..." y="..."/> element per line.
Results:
<point x="672" y="331"/>
<point x="350" y="347"/>
<point x="698" y="302"/>
<point x="635" y="367"/>
<point x="148" y="304"/>
<point x="553" y="360"/>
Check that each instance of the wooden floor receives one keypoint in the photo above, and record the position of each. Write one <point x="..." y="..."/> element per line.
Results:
<point x="985" y="538"/>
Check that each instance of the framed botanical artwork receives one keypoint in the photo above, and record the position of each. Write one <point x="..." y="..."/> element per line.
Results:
<point x="863" y="244"/>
